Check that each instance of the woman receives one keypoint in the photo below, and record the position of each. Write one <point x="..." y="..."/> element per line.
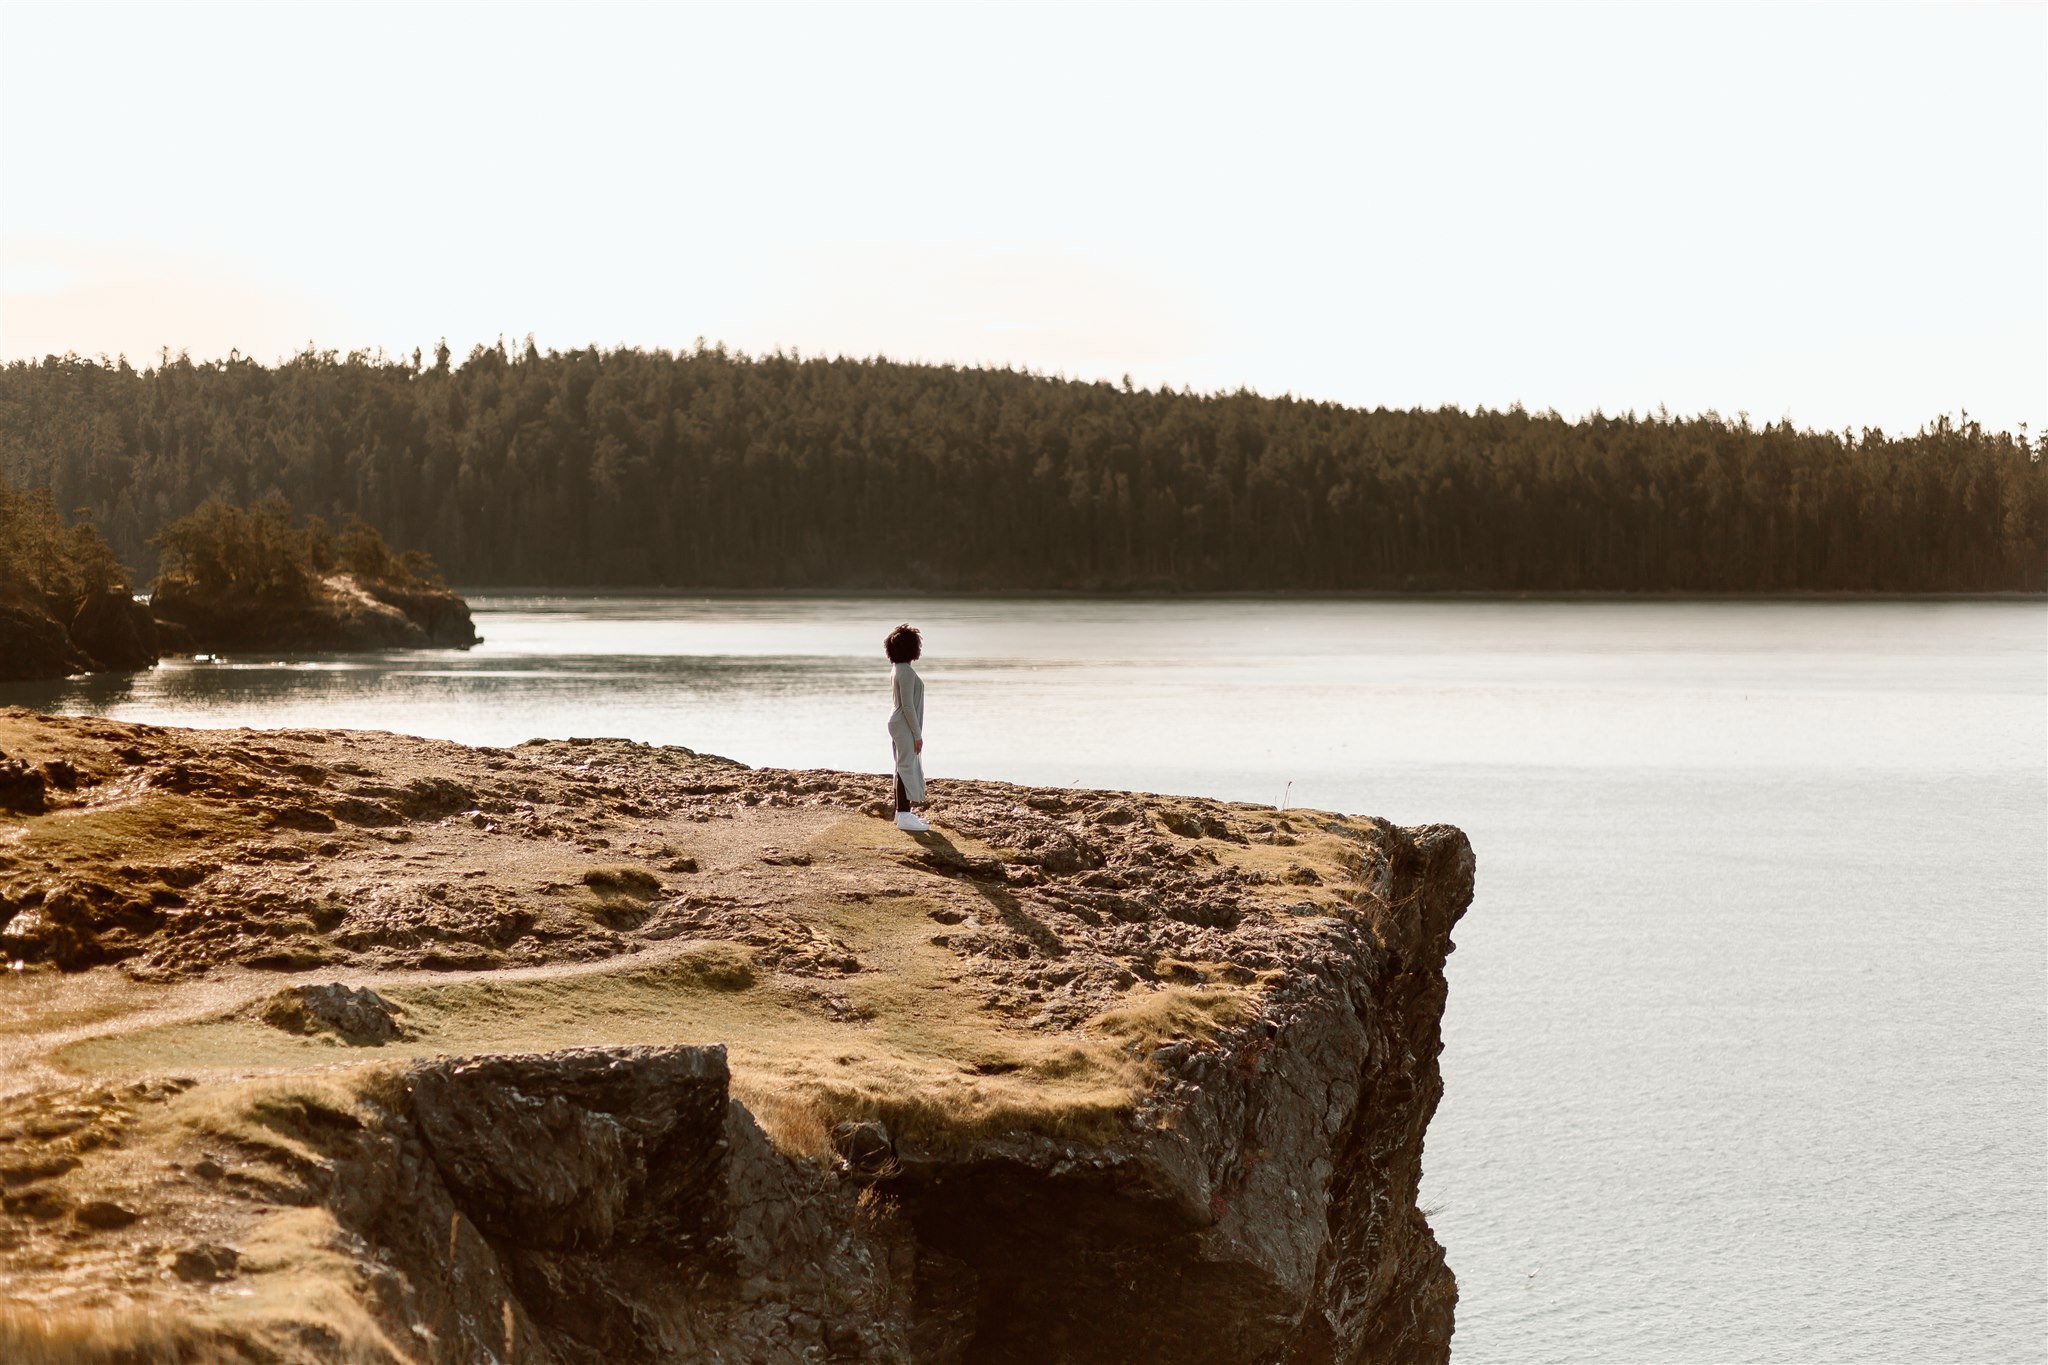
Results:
<point x="906" y="724"/>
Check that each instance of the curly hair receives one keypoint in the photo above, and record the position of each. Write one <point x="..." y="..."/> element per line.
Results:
<point x="903" y="644"/>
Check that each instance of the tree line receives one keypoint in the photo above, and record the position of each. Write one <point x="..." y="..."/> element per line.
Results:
<point x="708" y="469"/>
<point x="264" y="551"/>
<point x="261" y="551"/>
<point x="46" y="558"/>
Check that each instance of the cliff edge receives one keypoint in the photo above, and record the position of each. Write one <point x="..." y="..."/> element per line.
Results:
<point x="351" y="1046"/>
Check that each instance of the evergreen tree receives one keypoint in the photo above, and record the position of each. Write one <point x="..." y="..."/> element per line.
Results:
<point x="711" y="469"/>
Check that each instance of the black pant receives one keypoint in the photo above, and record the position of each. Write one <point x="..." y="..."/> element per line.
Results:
<point x="902" y="797"/>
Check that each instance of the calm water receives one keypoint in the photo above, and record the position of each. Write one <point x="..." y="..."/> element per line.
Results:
<point x="1747" y="1052"/>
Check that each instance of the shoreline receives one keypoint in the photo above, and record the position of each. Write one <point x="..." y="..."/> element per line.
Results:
<point x="470" y="590"/>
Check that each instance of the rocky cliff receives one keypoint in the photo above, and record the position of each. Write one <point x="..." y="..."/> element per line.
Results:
<point x="42" y="636"/>
<point x="336" y="611"/>
<point x="350" y="1046"/>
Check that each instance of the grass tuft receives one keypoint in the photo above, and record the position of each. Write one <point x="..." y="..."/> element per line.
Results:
<point x="128" y="1335"/>
<point x="288" y="1119"/>
<point x="1174" y="1013"/>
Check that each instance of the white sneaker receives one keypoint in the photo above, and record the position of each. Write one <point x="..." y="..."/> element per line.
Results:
<point x="908" y="820"/>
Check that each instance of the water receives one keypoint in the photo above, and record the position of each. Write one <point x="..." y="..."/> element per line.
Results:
<point x="1747" y="1051"/>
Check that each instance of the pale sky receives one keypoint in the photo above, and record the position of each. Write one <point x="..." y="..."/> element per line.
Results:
<point x="1833" y="212"/>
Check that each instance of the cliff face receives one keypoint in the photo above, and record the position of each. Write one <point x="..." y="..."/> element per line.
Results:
<point x="100" y="632"/>
<point x="1082" y="1077"/>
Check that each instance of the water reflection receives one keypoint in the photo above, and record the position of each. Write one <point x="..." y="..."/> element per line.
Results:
<point x="90" y="694"/>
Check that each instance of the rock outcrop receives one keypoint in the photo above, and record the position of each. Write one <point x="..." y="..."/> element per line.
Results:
<point x="100" y="632"/>
<point x="360" y="1017"/>
<point x="340" y="611"/>
<point x="1080" y="1077"/>
<point x="116" y="632"/>
<point x="33" y="643"/>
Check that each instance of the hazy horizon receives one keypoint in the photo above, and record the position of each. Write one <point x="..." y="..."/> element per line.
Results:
<point x="1828" y="214"/>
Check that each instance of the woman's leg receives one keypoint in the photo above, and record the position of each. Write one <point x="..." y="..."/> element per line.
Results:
<point x="902" y="797"/>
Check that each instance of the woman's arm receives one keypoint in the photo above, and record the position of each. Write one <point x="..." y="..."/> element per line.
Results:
<point x="909" y="713"/>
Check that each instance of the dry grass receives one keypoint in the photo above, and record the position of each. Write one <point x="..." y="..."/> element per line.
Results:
<point x="874" y="1207"/>
<point x="709" y="966"/>
<point x="794" y="1122"/>
<point x="910" y="1046"/>
<point x="1331" y="856"/>
<point x="907" y="1038"/>
<point x="286" y="1117"/>
<point x="1161" y="1016"/>
<point x="128" y="1335"/>
<point x="145" y="828"/>
<point x="302" y="1275"/>
<point x="44" y="1000"/>
<point x="297" y="1280"/>
<point x="297" y="1286"/>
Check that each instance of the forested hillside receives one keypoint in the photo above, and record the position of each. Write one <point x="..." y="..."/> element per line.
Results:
<point x="41" y="554"/>
<point x="705" y="469"/>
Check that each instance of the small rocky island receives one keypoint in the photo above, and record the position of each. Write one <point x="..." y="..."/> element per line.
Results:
<point x="65" y="606"/>
<point x="233" y="578"/>
<point x="350" y="1046"/>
